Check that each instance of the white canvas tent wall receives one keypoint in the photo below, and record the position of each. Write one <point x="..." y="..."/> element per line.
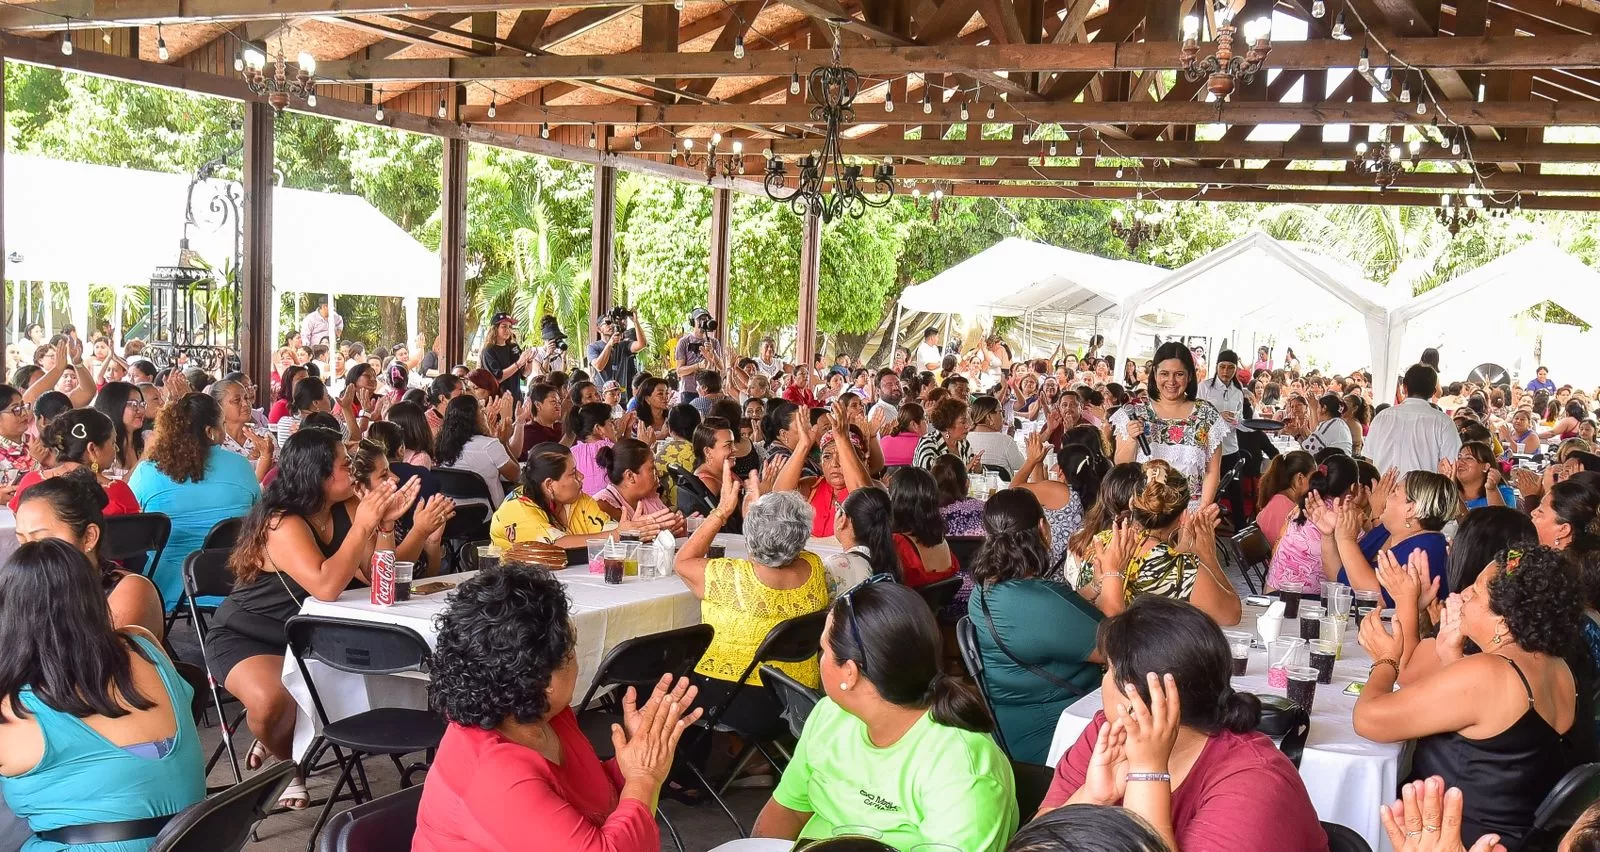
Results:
<point x="1507" y="285"/>
<point x="86" y="224"/>
<point x="1258" y="281"/>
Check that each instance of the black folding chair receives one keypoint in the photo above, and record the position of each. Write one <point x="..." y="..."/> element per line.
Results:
<point x="964" y="549"/>
<point x="640" y="662"/>
<point x="798" y="700"/>
<point x="222" y="823"/>
<point x="1255" y="553"/>
<point x="468" y="526"/>
<point x="381" y="825"/>
<point x="206" y="574"/>
<point x="967" y="641"/>
<point x="365" y="648"/>
<point x="224" y="534"/>
<point x="1341" y="839"/>
<point x="135" y="541"/>
<point x="462" y="485"/>
<point x="693" y="495"/>
<point x="466" y="555"/>
<point x="1286" y="724"/>
<point x="1032" y="782"/>
<point x="1562" y="806"/>
<point x="939" y="595"/>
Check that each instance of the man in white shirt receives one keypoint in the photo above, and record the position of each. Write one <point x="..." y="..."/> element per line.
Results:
<point x="321" y="326"/>
<point x="1227" y="397"/>
<point x="890" y="394"/>
<point x="1413" y="435"/>
<point x="929" y="356"/>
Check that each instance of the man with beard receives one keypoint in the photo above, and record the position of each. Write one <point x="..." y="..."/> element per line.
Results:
<point x="890" y="394"/>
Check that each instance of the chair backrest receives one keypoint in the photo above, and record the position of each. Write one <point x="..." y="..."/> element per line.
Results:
<point x="222" y="823"/>
<point x="1341" y="839"/>
<point x="793" y="641"/>
<point x="964" y="548"/>
<point x="1562" y="806"/>
<point x="135" y="541"/>
<point x="466" y="554"/>
<point x="688" y="482"/>
<point x="939" y="595"/>
<point x="797" y="698"/>
<point x="1232" y="473"/>
<point x="356" y="647"/>
<point x="462" y="484"/>
<point x="198" y="681"/>
<point x="206" y="573"/>
<point x="1253" y="545"/>
<point x="1032" y="783"/>
<point x="967" y="642"/>
<point x="381" y="825"/>
<point x="1003" y="473"/>
<point x="225" y="534"/>
<point x="639" y="662"/>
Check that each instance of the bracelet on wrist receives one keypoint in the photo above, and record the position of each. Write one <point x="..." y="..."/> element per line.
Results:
<point x="1386" y="661"/>
<point x="1161" y="777"/>
<point x="388" y="530"/>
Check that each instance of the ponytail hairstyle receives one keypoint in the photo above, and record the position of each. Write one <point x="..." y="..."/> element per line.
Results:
<point x="910" y="413"/>
<point x="868" y="510"/>
<point x="310" y="391"/>
<point x="1013" y="546"/>
<point x="1281" y="471"/>
<point x="1162" y="499"/>
<point x="74" y="435"/>
<point x="950" y="479"/>
<point x="1116" y="491"/>
<point x="546" y="461"/>
<point x="582" y="420"/>
<point x="627" y="454"/>
<point x="899" y="651"/>
<point x="388" y="435"/>
<point x="1332" y="406"/>
<point x="78" y="503"/>
<point x="1331" y="479"/>
<point x="1083" y="465"/>
<point x="1158" y="635"/>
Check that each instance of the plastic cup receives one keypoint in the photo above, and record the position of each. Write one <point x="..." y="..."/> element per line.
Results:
<point x="1289" y="593"/>
<point x="1323" y="655"/>
<point x="1338" y="601"/>
<point x="645" y="556"/>
<point x="403" y="572"/>
<point x="1269" y="628"/>
<point x="1329" y="629"/>
<point x="1310" y="614"/>
<point x="1301" y="686"/>
<point x="488" y="557"/>
<point x="1239" y="648"/>
<point x="1366" y="601"/>
<point x="597" y="550"/>
<point x="1282" y="655"/>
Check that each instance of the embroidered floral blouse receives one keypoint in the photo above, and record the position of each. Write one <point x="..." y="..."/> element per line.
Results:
<point x="1187" y="444"/>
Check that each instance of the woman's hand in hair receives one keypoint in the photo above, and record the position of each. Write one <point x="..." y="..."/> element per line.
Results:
<point x="1152" y="730"/>
<point x="1428" y="819"/>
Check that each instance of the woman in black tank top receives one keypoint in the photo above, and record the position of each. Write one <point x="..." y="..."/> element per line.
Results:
<point x="1503" y="725"/>
<point x="309" y="536"/>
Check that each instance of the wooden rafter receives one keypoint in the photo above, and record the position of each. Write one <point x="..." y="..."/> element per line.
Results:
<point x="56" y="14"/>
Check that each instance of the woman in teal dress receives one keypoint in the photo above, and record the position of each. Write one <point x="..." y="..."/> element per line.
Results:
<point x="1036" y="636"/>
<point x="191" y="479"/>
<point x="95" y="727"/>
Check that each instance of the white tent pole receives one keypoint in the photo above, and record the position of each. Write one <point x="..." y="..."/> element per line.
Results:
<point x="894" y="336"/>
<point x="411" y="320"/>
<point x="78" y="306"/>
<point x="333" y="336"/>
<point x="49" y="320"/>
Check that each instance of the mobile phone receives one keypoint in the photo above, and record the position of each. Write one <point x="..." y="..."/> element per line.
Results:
<point x="1258" y="600"/>
<point x="1354" y="687"/>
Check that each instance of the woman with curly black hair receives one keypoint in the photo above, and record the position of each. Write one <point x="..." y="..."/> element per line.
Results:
<point x="514" y="770"/>
<point x="1504" y="725"/>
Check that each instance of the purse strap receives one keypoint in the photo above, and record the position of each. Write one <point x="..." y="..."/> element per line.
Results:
<point x="1038" y="671"/>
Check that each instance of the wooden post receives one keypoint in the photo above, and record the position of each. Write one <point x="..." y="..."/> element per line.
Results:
<point x="14" y="305"/>
<point x="805" y="346"/>
<point x="602" y="254"/>
<point x="717" y="292"/>
<point x="453" y="255"/>
<point x="256" y="326"/>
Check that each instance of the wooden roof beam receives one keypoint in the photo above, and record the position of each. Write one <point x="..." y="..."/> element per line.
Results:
<point x="1256" y="195"/>
<point x="55" y="14"/>
<point x="1443" y="181"/>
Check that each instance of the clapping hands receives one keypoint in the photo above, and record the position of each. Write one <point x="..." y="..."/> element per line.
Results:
<point x="1427" y="818"/>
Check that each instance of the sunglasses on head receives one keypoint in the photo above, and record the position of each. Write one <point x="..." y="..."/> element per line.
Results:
<point x="850" y="608"/>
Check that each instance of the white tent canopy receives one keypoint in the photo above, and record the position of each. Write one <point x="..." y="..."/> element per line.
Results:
<point x="1015" y="277"/>
<point x="1507" y="285"/>
<point x="1258" y="281"/>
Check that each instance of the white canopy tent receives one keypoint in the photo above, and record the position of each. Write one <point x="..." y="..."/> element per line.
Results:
<point x="100" y="225"/>
<point x="1018" y="278"/>
<point x="1512" y="283"/>
<point x="1285" y="286"/>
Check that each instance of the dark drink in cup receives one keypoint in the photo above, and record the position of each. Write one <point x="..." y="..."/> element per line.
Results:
<point x="1310" y="615"/>
<point x="403" y="572"/>
<point x="1290" y="595"/>
<point x="1302" y="686"/>
<point x="1322" y="660"/>
<point x="716" y="551"/>
<point x="1241" y="662"/>
<point x="614" y="568"/>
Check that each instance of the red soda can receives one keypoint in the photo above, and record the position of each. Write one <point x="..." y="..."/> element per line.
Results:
<point x="383" y="578"/>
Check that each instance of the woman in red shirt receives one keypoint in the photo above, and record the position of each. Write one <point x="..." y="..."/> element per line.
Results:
<point x="514" y="771"/>
<point x="799" y="390"/>
<point x="919" y="529"/>
<point x="82" y="438"/>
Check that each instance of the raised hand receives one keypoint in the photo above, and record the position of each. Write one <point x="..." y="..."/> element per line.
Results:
<point x="1377" y="641"/>
<point x="645" y="755"/>
<point x="1450" y="644"/>
<point x="432" y="514"/>
<point x="1320" y="514"/>
<point x="1447" y="467"/>
<point x="1398" y="580"/>
<point x="729" y="499"/>
<point x="1036" y="447"/>
<point x="1348" y="523"/>
<point x="374" y="504"/>
<point x="975" y="463"/>
<point x="1427" y="818"/>
<point x="1118" y="552"/>
<point x="399" y="502"/>
<point x="1152" y="730"/>
<point x="1380" y="492"/>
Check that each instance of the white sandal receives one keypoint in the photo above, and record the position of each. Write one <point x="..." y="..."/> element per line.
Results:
<point x="295" y="796"/>
<point x="257" y="756"/>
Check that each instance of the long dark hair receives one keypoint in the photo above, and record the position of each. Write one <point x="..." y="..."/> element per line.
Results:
<point x="1165" y="636"/>
<point x="1117" y="488"/>
<point x="1013" y="545"/>
<point x="868" y="510"/>
<point x="1484" y="532"/>
<point x="415" y="434"/>
<point x="78" y="502"/>
<point x="1282" y="470"/>
<point x="286" y="383"/>
<point x="1331" y="479"/>
<point x="112" y="400"/>
<point x="66" y="652"/>
<point x="621" y="457"/>
<point x="950" y="479"/>
<point x="915" y="501"/>
<point x="460" y="426"/>
<point x="901" y="654"/>
<point x="309" y="392"/>
<point x="304" y="466"/>
<point x="73" y="434"/>
<point x="641" y="401"/>
<point x="1084" y="465"/>
<point x="582" y="420"/>
<point x="779" y="413"/>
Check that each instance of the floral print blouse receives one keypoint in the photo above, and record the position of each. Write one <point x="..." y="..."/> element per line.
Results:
<point x="1186" y="444"/>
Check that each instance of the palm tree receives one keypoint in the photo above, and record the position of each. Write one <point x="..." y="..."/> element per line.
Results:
<point x="526" y="265"/>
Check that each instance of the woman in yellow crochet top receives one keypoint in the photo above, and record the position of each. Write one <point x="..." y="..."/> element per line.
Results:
<point x="743" y="599"/>
<point x="553" y="509"/>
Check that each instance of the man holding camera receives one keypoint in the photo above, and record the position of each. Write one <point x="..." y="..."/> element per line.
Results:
<point x="697" y="351"/>
<point x="612" y="355"/>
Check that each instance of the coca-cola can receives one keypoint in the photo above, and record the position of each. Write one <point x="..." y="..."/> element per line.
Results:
<point x="383" y="592"/>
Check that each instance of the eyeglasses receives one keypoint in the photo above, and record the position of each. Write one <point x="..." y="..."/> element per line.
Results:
<point x="850" y="607"/>
<point x="133" y="404"/>
<point x="18" y="410"/>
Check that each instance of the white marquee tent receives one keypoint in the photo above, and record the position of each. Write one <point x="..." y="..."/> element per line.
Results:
<point x="1015" y="277"/>
<point x="85" y="224"/>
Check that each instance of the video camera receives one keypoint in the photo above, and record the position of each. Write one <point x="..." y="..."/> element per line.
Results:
<point x="618" y="315"/>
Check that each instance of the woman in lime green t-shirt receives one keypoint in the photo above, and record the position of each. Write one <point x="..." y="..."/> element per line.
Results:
<point x="896" y="747"/>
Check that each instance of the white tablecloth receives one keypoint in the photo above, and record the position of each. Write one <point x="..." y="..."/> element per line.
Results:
<point x="603" y="616"/>
<point x="1347" y="776"/>
<point x="8" y="534"/>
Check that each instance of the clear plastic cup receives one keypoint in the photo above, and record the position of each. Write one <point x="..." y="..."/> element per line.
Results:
<point x="1239" y="649"/>
<point x="1323" y="655"/>
<point x="1310" y="614"/>
<point x="1301" y="685"/>
<point x="1283" y="654"/>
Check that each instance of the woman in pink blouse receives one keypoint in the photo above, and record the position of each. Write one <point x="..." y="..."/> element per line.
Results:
<point x="590" y="425"/>
<point x="1297" y="558"/>
<point x="1283" y="486"/>
<point x="900" y="445"/>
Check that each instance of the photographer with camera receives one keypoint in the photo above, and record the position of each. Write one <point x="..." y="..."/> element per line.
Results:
<point x="697" y="351"/>
<point x="621" y="337"/>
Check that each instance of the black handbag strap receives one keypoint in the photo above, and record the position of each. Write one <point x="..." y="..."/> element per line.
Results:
<point x="106" y="832"/>
<point x="1038" y="671"/>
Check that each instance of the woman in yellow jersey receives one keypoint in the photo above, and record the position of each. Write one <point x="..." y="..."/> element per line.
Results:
<point x="552" y="509"/>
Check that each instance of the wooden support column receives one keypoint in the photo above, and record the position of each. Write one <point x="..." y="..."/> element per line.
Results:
<point x="9" y="306"/>
<point x="717" y="291"/>
<point x="805" y="346"/>
<point x="453" y="255"/>
<point x="602" y="254"/>
<point x="257" y="303"/>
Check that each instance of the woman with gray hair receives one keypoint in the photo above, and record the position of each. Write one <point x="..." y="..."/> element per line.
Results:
<point x="239" y="435"/>
<point x="744" y="598"/>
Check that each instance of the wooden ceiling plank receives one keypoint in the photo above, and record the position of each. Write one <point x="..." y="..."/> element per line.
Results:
<point x="1508" y="182"/>
<point x="946" y="23"/>
<point x="742" y="16"/>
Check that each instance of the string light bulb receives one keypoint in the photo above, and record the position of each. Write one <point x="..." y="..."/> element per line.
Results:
<point x="544" y="130"/>
<point x="238" y="61"/>
<point x="311" y="99"/>
<point x="1079" y="148"/>
<point x="677" y="4"/>
<point x="1319" y="9"/>
<point x="637" y="145"/>
<point x="66" y="42"/>
<point x="1119" y="173"/>
<point x="794" y="83"/>
<point x="964" y="114"/>
<point x="594" y="141"/>
<point x="492" y="109"/>
<point x="927" y="101"/>
<point x="1388" y="83"/>
<point x="1405" y="92"/>
<point x="888" y="102"/>
<point x="1422" y="107"/>
<point x="991" y="110"/>
<point x="738" y="47"/>
<point x="1339" y="31"/>
<point x="1052" y="149"/>
<point x="1027" y="137"/>
<point x="1365" y="63"/>
<point x="161" y="46"/>
<point x="443" y="111"/>
<point x="378" y="114"/>
<point x="1455" y="146"/>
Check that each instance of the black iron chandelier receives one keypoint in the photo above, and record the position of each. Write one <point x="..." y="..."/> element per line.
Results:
<point x="1134" y="230"/>
<point x="1458" y="211"/>
<point x="833" y="87"/>
<point x="714" y="161"/>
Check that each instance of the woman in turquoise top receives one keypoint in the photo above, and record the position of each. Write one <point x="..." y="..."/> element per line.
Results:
<point x="1037" y="672"/>
<point x="189" y="478"/>
<point x="95" y="728"/>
